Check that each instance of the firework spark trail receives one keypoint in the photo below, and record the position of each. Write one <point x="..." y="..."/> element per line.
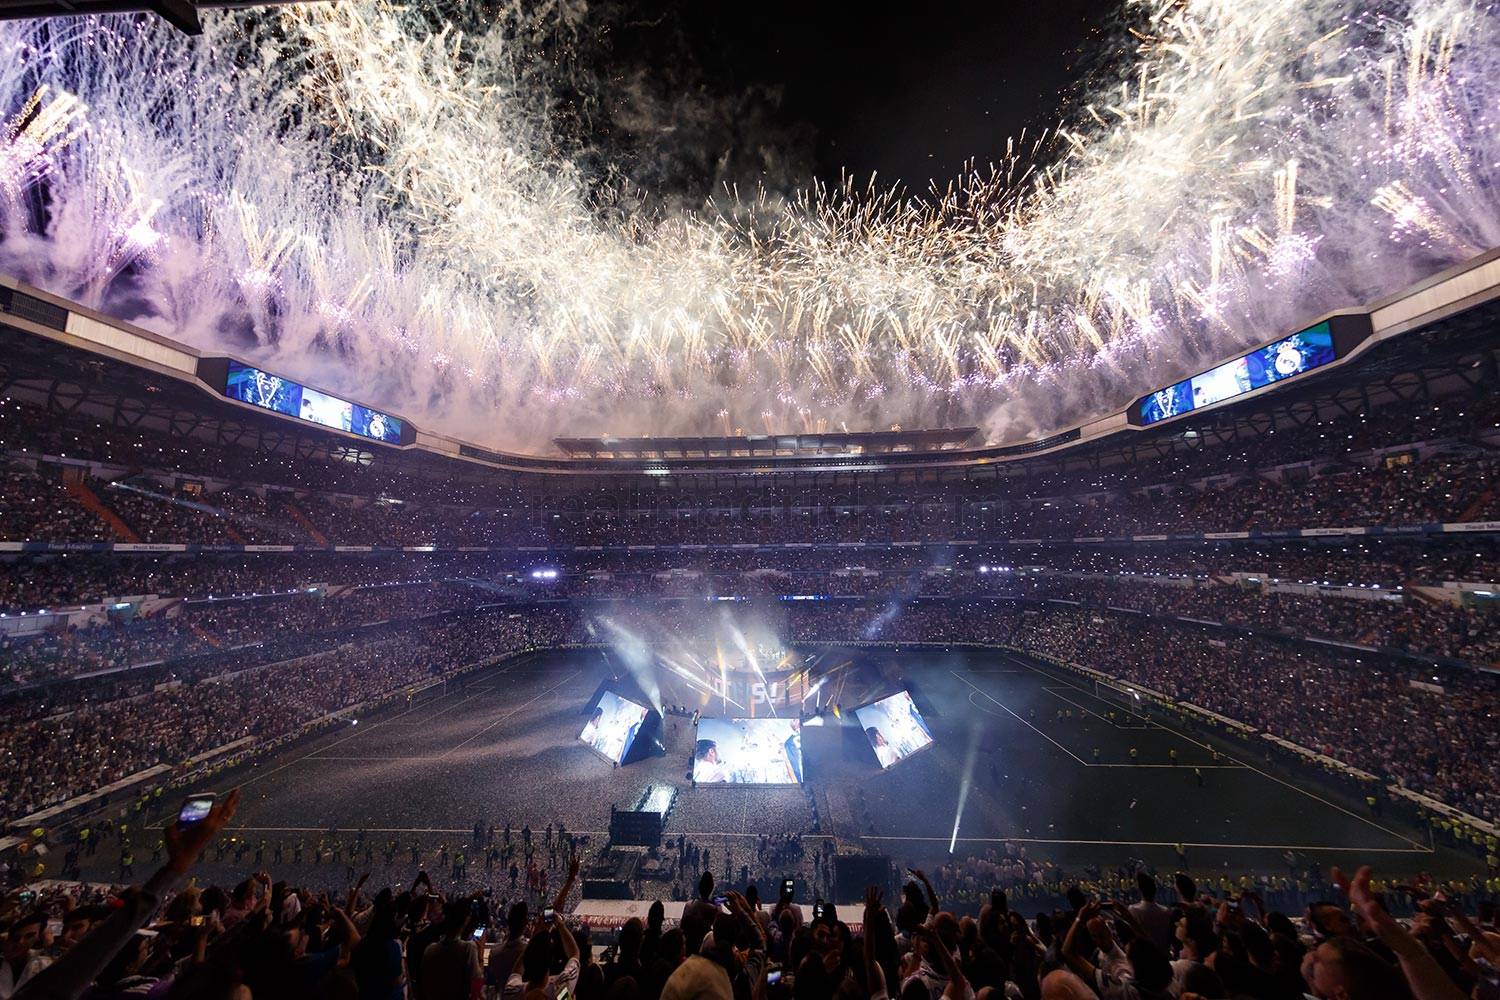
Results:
<point x="360" y="200"/>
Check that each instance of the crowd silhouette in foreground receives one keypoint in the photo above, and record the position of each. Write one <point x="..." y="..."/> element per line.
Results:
<point x="169" y="937"/>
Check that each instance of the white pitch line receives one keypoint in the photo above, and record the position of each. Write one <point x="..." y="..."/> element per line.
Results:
<point x="383" y="760"/>
<point x="512" y="712"/>
<point x="311" y="753"/>
<point x="1177" y="767"/>
<point x="1022" y="721"/>
<point x="1184" y="768"/>
<point x="1159" y="843"/>
<point x="1109" y="722"/>
<point x="395" y="758"/>
<point x="469" y="830"/>
<point x="1297" y="788"/>
<point x="428" y="718"/>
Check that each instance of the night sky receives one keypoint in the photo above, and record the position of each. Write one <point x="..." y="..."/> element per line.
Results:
<point x="912" y="91"/>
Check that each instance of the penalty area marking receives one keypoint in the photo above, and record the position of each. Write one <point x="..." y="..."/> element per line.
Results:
<point x="428" y="718"/>
<point x="311" y="754"/>
<point x="1147" y="723"/>
<point x="1013" y="715"/>
<point x="1185" y="768"/>
<point x="1296" y="788"/>
<point x="512" y="712"/>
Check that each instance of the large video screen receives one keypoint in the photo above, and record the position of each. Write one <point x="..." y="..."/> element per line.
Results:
<point x="1301" y="352"/>
<point x="272" y="392"/>
<point x="894" y="727"/>
<point x="748" y="752"/>
<point x="613" y="727"/>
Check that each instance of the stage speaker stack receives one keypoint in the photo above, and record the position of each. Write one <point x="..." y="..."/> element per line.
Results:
<point x="611" y="875"/>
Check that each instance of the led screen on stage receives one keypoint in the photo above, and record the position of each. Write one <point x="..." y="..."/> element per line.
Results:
<point x="613" y="727"/>
<point x="1289" y="356"/>
<point x="748" y="752"/>
<point x="894" y="727"/>
<point x="272" y="392"/>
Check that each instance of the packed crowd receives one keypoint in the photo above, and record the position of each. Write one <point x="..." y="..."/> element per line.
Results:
<point x="52" y="759"/>
<point x="61" y="581"/>
<point x="1433" y="739"/>
<point x="1369" y="715"/>
<point x="1454" y="487"/>
<point x="265" y="938"/>
<point x="1386" y="563"/>
<point x="205" y="627"/>
<point x="39" y="581"/>
<point x="1403" y="622"/>
<point x="1389" y="618"/>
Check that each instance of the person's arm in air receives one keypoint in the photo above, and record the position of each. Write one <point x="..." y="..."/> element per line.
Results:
<point x="755" y="960"/>
<point x="353" y="899"/>
<point x="932" y="899"/>
<point x="71" y="974"/>
<point x="569" y="946"/>
<point x="1082" y="966"/>
<point x="1480" y="946"/>
<point x="1260" y="907"/>
<point x="351" y="937"/>
<point x="1426" y="978"/>
<point x="567" y="887"/>
<point x="1122" y="912"/>
<point x="958" y="986"/>
<point x="740" y="907"/>
<point x="874" y="977"/>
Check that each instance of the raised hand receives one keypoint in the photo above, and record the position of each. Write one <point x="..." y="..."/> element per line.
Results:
<point x="186" y="844"/>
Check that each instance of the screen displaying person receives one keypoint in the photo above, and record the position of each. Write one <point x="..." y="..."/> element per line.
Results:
<point x="613" y="726"/>
<point x="894" y="727"/>
<point x="707" y="768"/>
<point x="748" y="752"/>
<point x="884" y="752"/>
<point x="590" y="734"/>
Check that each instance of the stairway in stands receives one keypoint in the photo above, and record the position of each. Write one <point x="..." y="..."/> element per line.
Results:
<point x="201" y="633"/>
<point x="90" y="500"/>
<point x="317" y="536"/>
<point x="1478" y="505"/>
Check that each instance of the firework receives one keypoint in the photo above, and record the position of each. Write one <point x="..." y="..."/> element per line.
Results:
<point x="382" y="205"/>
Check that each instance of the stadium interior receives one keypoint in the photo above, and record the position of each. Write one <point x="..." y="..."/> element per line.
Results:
<point x="1281" y="608"/>
<point x="302" y="697"/>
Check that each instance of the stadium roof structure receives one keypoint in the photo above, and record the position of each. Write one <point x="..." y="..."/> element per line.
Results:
<point x="1431" y="340"/>
<point x="846" y="443"/>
